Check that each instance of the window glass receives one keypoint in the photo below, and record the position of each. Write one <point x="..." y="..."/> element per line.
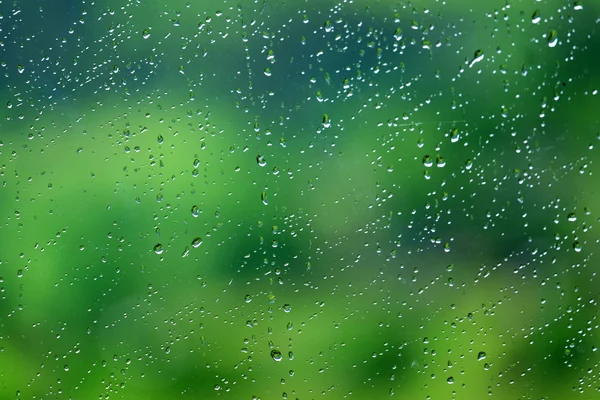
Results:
<point x="261" y="199"/>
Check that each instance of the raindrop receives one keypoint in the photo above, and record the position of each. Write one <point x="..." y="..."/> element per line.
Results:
<point x="158" y="248"/>
<point x="276" y="355"/>
<point x="427" y="161"/>
<point x="552" y="38"/>
<point x="477" y="56"/>
<point x="260" y="160"/>
<point x="454" y="135"/>
<point x="481" y="356"/>
<point x="440" y="162"/>
<point x="186" y="252"/>
<point x="196" y="242"/>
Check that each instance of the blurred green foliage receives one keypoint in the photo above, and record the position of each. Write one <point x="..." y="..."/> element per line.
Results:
<point x="299" y="200"/>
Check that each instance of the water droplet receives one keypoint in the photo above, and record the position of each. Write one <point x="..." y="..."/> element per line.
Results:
<point x="196" y="242"/>
<point x="440" y="162"/>
<point x="577" y="246"/>
<point x="287" y="308"/>
<point x="427" y="161"/>
<point x="398" y="34"/>
<point x="276" y="355"/>
<point x="572" y="217"/>
<point x="450" y="380"/>
<point x="481" y="355"/>
<point x="477" y="56"/>
<point x="260" y="160"/>
<point x="454" y="135"/>
<point x="195" y="211"/>
<point x="158" y="248"/>
<point x="535" y="18"/>
<point x="552" y="38"/>
<point x="186" y="252"/>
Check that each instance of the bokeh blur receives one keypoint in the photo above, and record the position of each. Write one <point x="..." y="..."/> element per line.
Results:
<point x="261" y="199"/>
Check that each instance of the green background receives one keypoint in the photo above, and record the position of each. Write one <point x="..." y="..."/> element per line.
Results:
<point x="389" y="217"/>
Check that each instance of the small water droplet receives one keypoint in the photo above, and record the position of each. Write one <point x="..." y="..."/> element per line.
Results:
<point x="477" y="56"/>
<point x="186" y="252"/>
<point x="196" y="242"/>
<point x="481" y="355"/>
<point x="552" y="38"/>
<point x="276" y="355"/>
<point x="427" y="161"/>
<point x="440" y="162"/>
<point x="454" y="135"/>
<point x="260" y="160"/>
<point x="158" y="248"/>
